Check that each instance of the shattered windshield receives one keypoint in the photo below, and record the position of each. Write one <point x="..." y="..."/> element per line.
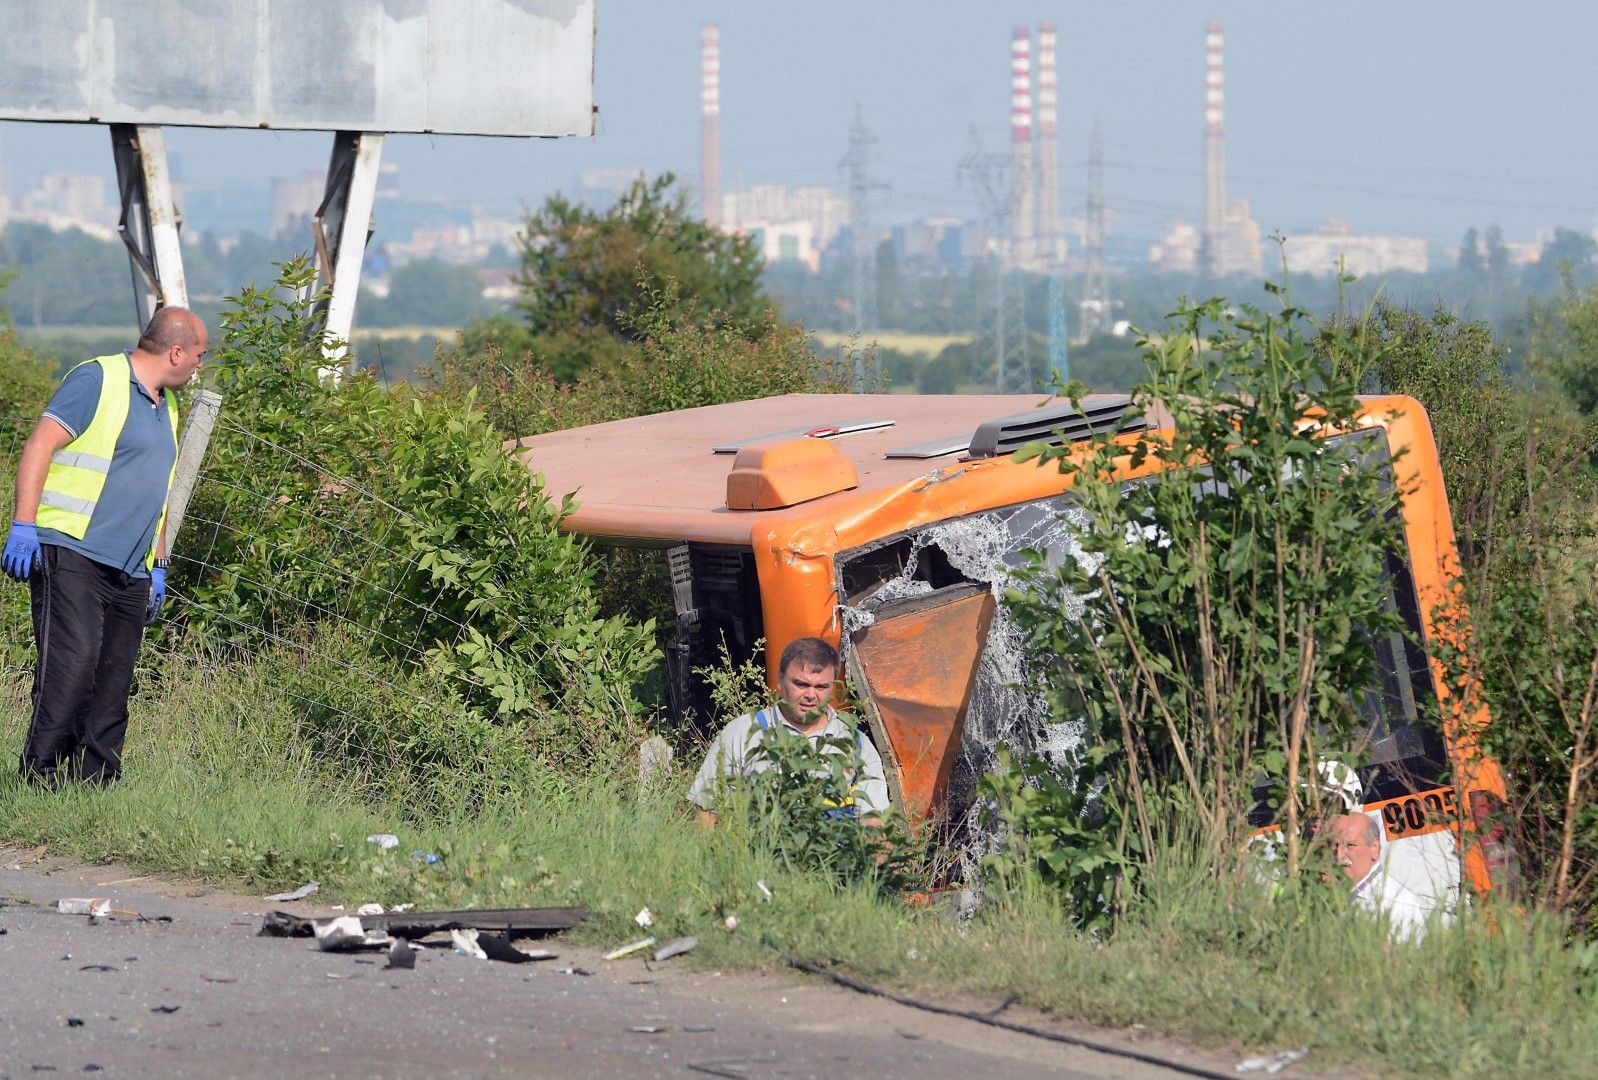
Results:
<point x="987" y="550"/>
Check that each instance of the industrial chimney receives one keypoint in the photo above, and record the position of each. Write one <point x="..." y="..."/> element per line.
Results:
<point x="1214" y="152"/>
<point x="1021" y="142"/>
<point x="1051" y="243"/>
<point x="710" y="124"/>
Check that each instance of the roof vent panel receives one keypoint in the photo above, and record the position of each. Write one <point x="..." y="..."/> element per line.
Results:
<point x="1054" y="425"/>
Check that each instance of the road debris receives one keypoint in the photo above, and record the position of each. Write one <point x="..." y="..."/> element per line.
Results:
<point x="218" y="978"/>
<point x="627" y="950"/>
<point x="346" y="932"/>
<point x="676" y="947"/>
<point x="97" y="906"/>
<point x="98" y="967"/>
<point x="369" y="909"/>
<point x="517" y="922"/>
<point x="75" y="1021"/>
<point x="645" y="918"/>
<point x="426" y="857"/>
<point x="764" y="891"/>
<point x="383" y="840"/>
<point x="1273" y="1063"/>
<point x="167" y="1009"/>
<point x="646" y="1029"/>
<point x="297" y="894"/>
<point x="730" y="922"/>
<point x="499" y="948"/>
<point x="401" y="955"/>
<point x="465" y="942"/>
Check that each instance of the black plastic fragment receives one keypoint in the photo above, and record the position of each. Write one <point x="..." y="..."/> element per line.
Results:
<point x="522" y="922"/>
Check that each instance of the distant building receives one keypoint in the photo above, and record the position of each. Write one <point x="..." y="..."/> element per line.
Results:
<point x="601" y="188"/>
<point x="295" y="200"/>
<point x="1239" y="242"/>
<point x="786" y="241"/>
<point x="941" y="243"/>
<point x="825" y="211"/>
<point x="1178" y="251"/>
<point x="67" y="201"/>
<point x="1334" y="246"/>
<point x="462" y="244"/>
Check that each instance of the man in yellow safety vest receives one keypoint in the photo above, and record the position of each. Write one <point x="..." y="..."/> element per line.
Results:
<point x="89" y="536"/>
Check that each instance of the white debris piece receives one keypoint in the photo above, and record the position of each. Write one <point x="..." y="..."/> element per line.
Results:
<point x="369" y="909"/>
<point x="465" y="942"/>
<point x="97" y="906"/>
<point x="1273" y="1063"/>
<point x="644" y="918"/>
<point x="383" y="840"/>
<point x="298" y="894"/>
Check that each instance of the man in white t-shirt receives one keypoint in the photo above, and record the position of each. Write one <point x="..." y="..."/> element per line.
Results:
<point x="805" y="678"/>
<point x="1357" y="848"/>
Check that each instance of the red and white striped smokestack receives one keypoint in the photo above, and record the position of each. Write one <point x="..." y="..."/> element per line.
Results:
<point x="1212" y="260"/>
<point x="1021" y="139"/>
<point x="1214" y="80"/>
<point x="1051" y="245"/>
<point x="710" y="124"/>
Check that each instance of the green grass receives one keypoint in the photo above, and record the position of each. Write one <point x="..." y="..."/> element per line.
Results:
<point x="219" y="786"/>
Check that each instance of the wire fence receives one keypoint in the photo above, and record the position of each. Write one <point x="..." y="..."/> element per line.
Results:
<point x="341" y="639"/>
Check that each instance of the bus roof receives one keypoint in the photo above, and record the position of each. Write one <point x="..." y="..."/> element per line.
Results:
<point x="659" y="479"/>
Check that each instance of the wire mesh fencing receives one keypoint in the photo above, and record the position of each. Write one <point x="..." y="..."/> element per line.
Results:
<point x="318" y="588"/>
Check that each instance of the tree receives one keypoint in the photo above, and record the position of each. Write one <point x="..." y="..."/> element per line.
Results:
<point x="1471" y="262"/>
<point x="1569" y="255"/>
<point x="1565" y="343"/>
<point x="427" y="292"/>
<point x="586" y="275"/>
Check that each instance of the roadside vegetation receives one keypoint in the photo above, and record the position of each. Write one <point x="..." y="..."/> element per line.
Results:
<point x="378" y="627"/>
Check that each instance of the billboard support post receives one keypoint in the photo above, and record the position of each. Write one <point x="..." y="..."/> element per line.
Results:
<point x="341" y="228"/>
<point x="149" y="221"/>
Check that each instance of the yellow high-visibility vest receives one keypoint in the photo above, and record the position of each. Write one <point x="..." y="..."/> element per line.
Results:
<point x="78" y="470"/>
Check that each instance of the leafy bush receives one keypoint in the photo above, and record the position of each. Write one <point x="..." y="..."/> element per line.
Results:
<point x="1216" y="627"/>
<point x="403" y="519"/>
<point x="26" y="378"/>
<point x="681" y="360"/>
<point x="793" y="808"/>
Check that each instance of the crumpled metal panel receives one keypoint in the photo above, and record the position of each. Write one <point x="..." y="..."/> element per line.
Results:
<point x="919" y="662"/>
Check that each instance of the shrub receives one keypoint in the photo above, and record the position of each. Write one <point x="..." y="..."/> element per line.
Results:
<point x="404" y="521"/>
<point x="1215" y="629"/>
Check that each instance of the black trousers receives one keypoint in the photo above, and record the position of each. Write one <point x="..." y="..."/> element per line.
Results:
<point x="88" y="621"/>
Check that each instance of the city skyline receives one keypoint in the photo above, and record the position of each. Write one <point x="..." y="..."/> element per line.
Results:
<point x="1395" y="121"/>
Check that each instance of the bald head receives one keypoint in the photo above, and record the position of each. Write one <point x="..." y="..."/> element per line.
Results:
<point x="169" y="327"/>
<point x="171" y="349"/>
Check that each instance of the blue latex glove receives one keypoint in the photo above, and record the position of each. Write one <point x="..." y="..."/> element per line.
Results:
<point x="22" y="550"/>
<point x="157" y="592"/>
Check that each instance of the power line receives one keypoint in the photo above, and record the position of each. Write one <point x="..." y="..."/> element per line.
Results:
<point x="989" y="175"/>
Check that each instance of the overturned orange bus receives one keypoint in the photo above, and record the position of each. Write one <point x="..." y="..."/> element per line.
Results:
<point x="892" y="525"/>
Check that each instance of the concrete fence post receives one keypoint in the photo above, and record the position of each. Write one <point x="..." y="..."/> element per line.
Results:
<point x="191" y="452"/>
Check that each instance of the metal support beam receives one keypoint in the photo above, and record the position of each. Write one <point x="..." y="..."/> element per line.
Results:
<point x="341" y="228"/>
<point x="149" y="221"/>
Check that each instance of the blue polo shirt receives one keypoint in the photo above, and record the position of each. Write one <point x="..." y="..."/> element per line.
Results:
<point x="123" y="526"/>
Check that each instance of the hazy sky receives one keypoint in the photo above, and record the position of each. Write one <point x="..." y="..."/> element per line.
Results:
<point x="1398" y="116"/>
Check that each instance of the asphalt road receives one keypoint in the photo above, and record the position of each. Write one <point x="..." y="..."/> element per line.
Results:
<point x="202" y="995"/>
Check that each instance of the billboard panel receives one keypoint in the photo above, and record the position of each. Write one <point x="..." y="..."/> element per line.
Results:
<point x="464" y="67"/>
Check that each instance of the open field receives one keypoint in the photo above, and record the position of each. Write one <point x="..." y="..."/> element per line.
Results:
<point x="925" y="344"/>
